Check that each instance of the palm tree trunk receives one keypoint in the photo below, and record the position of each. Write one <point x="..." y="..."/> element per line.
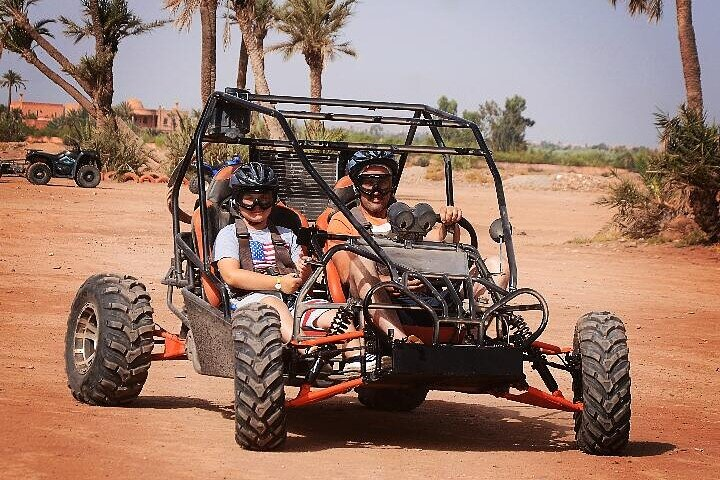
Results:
<point x="689" y="55"/>
<point x="316" y="69"/>
<point x="33" y="60"/>
<point x="208" y="21"/>
<point x="9" y="97"/>
<point x="242" y="66"/>
<point x="62" y="60"/>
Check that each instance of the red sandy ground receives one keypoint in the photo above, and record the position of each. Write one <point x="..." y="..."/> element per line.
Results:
<point x="53" y="237"/>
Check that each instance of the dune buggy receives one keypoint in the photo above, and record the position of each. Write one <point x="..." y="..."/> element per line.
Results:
<point x="83" y="166"/>
<point x="469" y="345"/>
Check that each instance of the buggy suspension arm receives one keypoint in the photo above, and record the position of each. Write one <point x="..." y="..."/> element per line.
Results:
<point x="536" y="397"/>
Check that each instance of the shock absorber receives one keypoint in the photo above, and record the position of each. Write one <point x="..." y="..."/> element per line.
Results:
<point x="522" y="330"/>
<point x="343" y="319"/>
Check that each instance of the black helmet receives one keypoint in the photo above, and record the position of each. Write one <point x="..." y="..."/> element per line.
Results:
<point x="363" y="158"/>
<point x="253" y="176"/>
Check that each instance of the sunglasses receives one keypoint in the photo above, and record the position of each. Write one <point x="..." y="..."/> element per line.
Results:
<point x="255" y="203"/>
<point x="371" y="184"/>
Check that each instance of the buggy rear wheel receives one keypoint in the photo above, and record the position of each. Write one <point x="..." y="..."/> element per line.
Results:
<point x="602" y="383"/>
<point x="260" y="420"/>
<point x="392" y="399"/>
<point x="109" y="340"/>
<point x="39" y="173"/>
<point x="87" y="176"/>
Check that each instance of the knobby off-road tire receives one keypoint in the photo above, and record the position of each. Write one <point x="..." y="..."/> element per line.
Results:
<point x="602" y="384"/>
<point x="109" y="340"/>
<point x="87" y="176"/>
<point x="392" y="399"/>
<point x="39" y="173"/>
<point x="260" y="420"/>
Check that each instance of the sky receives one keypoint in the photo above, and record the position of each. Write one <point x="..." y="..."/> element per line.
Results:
<point x="590" y="74"/>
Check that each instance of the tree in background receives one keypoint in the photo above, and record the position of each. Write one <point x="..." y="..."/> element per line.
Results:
<point x="313" y="28"/>
<point x="251" y="27"/>
<point x="680" y="194"/>
<point x="653" y="9"/>
<point x="183" y="11"/>
<point x="107" y="22"/>
<point x="11" y="79"/>
<point x="504" y="128"/>
<point x="507" y="126"/>
<point x="264" y="12"/>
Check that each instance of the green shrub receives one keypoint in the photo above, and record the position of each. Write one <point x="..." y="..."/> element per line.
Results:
<point x="12" y="127"/>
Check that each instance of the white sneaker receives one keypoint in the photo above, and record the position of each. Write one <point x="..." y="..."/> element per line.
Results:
<point x="354" y="364"/>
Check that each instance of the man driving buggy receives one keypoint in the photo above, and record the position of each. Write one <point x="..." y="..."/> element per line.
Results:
<point x="262" y="262"/>
<point x="374" y="175"/>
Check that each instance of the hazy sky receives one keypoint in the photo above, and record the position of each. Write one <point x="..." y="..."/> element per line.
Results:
<point x="590" y="74"/>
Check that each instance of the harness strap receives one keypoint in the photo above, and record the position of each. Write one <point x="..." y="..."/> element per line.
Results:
<point x="283" y="261"/>
<point x="246" y="262"/>
<point x="360" y="217"/>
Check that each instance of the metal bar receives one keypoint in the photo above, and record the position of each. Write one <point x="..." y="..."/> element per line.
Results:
<point x="536" y="397"/>
<point x="336" y="102"/>
<point x="408" y="141"/>
<point x="326" y="145"/>
<point x="449" y="196"/>
<point x="344" y="117"/>
<point x="306" y="395"/>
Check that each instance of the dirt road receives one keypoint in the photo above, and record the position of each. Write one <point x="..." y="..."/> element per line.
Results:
<point x="53" y="237"/>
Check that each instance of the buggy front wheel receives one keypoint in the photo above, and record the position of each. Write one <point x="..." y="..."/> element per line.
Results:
<point x="260" y="421"/>
<point x="109" y="340"/>
<point x="602" y="382"/>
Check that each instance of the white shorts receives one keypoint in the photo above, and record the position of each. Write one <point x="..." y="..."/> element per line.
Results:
<point x="308" y="320"/>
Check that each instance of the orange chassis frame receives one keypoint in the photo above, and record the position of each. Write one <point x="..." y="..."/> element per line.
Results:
<point x="174" y="349"/>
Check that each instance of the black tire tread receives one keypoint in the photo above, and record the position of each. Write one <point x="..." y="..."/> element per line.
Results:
<point x="392" y="399"/>
<point x="31" y="170"/>
<point x="603" y="427"/>
<point x="80" y="181"/>
<point x="125" y="342"/>
<point x="260" y="419"/>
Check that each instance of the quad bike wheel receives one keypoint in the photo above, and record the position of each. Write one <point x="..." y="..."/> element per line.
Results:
<point x="602" y="383"/>
<point x="87" y="176"/>
<point x="392" y="399"/>
<point x="260" y="419"/>
<point x="109" y="340"/>
<point x="39" y="173"/>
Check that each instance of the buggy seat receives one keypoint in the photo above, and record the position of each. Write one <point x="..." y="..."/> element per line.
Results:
<point x="219" y="217"/>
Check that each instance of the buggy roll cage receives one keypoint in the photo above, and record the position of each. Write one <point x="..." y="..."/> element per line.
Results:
<point x="232" y="109"/>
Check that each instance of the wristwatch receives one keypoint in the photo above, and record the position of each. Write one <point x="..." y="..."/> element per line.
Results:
<point x="278" y="285"/>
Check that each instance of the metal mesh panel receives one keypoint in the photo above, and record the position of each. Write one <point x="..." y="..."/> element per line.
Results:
<point x="297" y="188"/>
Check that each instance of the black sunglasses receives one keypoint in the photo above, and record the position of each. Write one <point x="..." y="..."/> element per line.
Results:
<point x="257" y="202"/>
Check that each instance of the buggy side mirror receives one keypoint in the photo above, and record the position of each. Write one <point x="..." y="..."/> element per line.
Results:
<point x="496" y="231"/>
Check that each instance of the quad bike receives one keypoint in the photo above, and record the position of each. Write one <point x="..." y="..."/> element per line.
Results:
<point x="83" y="166"/>
<point x="470" y="345"/>
<point x="209" y="171"/>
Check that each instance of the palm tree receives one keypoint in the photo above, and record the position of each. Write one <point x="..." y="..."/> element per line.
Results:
<point x="653" y="9"/>
<point x="107" y="22"/>
<point x="252" y="27"/>
<point x="11" y="80"/>
<point x="313" y="27"/>
<point x="183" y="10"/>
<point x="264" y="12"/>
